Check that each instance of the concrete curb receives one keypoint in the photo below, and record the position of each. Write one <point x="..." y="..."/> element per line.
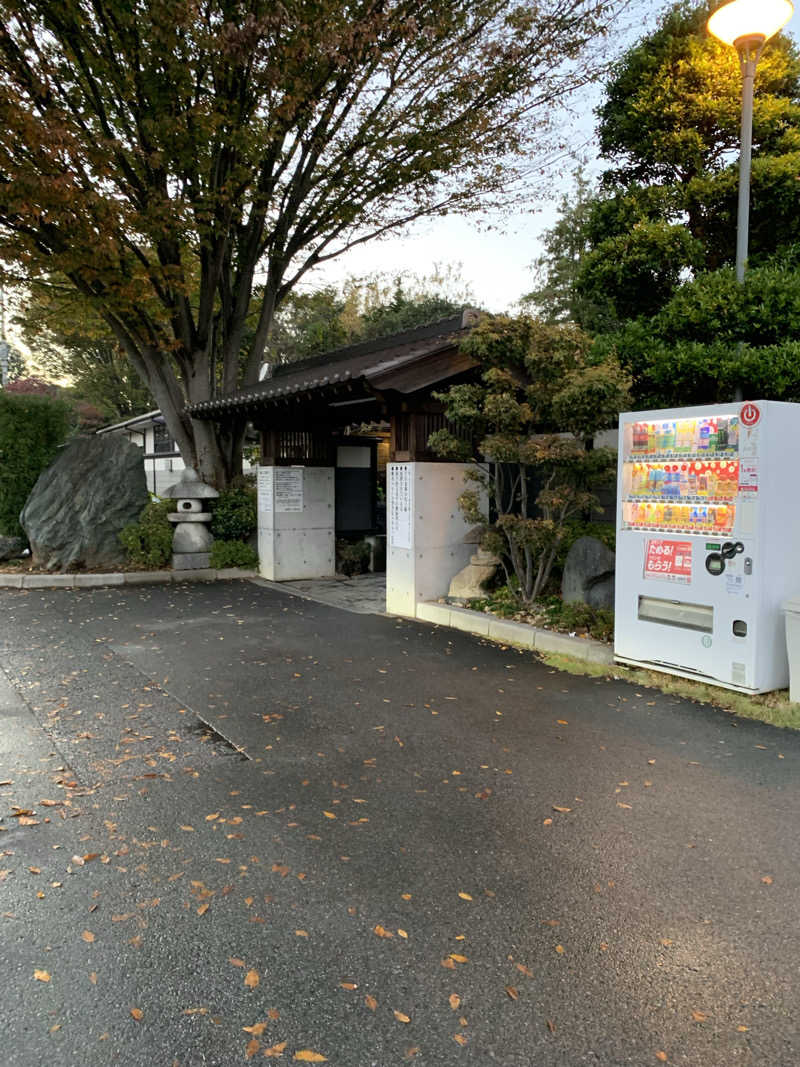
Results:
<point x="514" y="633"/>
<point x="98" y="581"/>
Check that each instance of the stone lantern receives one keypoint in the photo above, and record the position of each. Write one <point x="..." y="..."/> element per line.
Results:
<point x="191" y="542"/>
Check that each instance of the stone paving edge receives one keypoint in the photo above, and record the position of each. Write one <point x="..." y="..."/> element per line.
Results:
<point x="98" y="581"/>
<point x="516" y="633"/>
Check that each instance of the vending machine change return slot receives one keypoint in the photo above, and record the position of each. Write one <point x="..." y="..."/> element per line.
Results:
<point x="677" y="613"/>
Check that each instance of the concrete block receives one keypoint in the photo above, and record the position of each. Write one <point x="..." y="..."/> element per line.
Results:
<point x="96" y="581"/>
<point x="190" y="561"/>
<point x="578" y="647"/>
<point x="206" y="574"/>
<point x="474" y="622"/>
<point x="11" y="581"/>
<point x="437" y="613"/>
<point x="147" y="577"/>
<point x="516" y="633"/>
<point x="48" y="581"/>
<point x="236" y="572"/>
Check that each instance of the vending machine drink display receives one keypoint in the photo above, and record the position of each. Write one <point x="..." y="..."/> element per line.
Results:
<point x="708" y="541"/>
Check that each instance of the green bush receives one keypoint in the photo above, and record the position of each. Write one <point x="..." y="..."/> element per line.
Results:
<point x="352" y="557"/>
<point x="235" y="513"/>
<point x="31" y="430"/>
<point x="233" y="554"/>
<point x="148" y="542"/>
<point x="598" y="622"/>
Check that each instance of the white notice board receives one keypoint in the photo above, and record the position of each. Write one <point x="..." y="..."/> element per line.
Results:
<point x="288" y="488"/>
<point x="400" y="505"/>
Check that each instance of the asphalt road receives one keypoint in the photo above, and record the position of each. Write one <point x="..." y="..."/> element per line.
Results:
<point x="377" y="842"/>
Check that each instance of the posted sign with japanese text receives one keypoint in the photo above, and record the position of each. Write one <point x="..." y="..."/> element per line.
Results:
<point x="669" y="560"/>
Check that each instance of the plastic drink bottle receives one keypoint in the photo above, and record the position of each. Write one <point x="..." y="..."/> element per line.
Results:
<point x="705" y="433"/>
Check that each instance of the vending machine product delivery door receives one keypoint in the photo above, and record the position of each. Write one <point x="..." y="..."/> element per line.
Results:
<point x="708" y="541"/>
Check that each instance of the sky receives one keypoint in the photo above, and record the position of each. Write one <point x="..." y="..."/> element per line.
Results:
<point x="495" y="261"/>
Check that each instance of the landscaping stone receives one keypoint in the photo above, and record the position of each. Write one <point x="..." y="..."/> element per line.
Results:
<point x="589" y="574"/>
<point x="468" y="584"/>
<point x="80" y="504"/>
<point x="11" y="548"/>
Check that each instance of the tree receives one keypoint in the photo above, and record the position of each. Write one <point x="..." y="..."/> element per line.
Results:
<point x="690" y="352"/>
<point x="666" y="206"/>
<point x="531" y="416"/>
<point x="69" y="340"/>
<point x="164" y="158"/>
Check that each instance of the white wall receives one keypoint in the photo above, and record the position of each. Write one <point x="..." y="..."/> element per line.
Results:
<point x="425" y="541"/>
<point x="297" y="543"/>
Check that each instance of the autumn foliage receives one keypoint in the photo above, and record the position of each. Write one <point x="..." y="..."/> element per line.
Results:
<point x="172" y="160"/>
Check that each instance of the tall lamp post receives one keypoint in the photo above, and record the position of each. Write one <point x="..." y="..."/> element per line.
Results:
<point x="747" y="25"/>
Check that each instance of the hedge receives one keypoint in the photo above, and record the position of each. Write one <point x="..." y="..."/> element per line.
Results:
<point x="31" y="430"/>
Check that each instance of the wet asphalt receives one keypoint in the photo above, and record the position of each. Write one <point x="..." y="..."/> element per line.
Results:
<point x="239" y="826"/>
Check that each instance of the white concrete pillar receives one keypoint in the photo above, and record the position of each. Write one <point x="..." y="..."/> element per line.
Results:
<point x="296" y="522"/>
<point x="425" y="532"/>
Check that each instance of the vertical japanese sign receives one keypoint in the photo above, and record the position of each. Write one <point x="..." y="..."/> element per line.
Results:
<point x="288" y="489"/>
<point x="400" y="514"/>
<point x="265" y="489"/>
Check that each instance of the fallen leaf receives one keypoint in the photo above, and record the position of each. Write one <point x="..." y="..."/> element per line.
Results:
<point x="257" y="1029"/>
<point x="371" y="1002"/>
<point x="551" y="1026"/>
<point x="449" y="964"/>
<point x="275" y="1050"/>
<point x="88" y="936"/>
<point x="767" y="880"/>
<point x="512" y="992"/>
<point x="662" y="1056"/>
<point x="465" y="896"/>
<point x="137" y="1014"/>
<point x="307" y="1056"/>
<point x="461" y="1039"/>
<point x="525" y="970"/>
<point x="651" y="762"/>
<point x="236" y="961"/>
<point x="742" y="1029"/>
<point x="93" y="977"/>
<point x="562" y="722"/>
<point x="621" y="805"/>
<point x="547" y="822"/>
<point x="557" y="807"/>
<point x="253" y="1045"/>
<point x="348" y="985"/>
<point x="301" y="933"/>
<point x="665" y="941"/>
<point x="35" y="870"/>
<point x="381" y="932"/>
<point x="213" y="816"/>
<point x="328" y="815"/>
<point x="699" y="1016"/>
<point x="457" y="958"/>
<point x="42" y="976"/>
<point x="251" y="979"/>
<point x="402" y="933"/>
<point x="560" y="950"/>
<point x="401" y="1017"/>
<point x="405" y="896"/>
<point x="25" y="820"/>
<point x="455" y="1001"/>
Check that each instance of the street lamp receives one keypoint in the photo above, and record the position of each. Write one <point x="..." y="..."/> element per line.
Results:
<point x="747" y="25"/>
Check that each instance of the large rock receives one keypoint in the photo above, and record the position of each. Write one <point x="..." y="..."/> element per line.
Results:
<point x="589" y="574"/>
<point x="11" y="548"/>
<point x="79" y="505"/>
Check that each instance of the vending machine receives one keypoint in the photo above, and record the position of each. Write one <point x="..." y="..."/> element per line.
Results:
<point x="708" y="541"/>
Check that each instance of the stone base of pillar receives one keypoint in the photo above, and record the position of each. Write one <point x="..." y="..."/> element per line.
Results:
<point x="190" y="561"/>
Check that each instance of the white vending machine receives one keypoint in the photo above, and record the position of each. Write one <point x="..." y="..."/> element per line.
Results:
<point x="708" y="541"/>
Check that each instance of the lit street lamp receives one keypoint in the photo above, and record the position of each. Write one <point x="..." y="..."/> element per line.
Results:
<point x="747" y="25"/>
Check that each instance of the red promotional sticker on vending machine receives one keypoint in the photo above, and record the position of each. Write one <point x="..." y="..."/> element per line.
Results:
<point x="668" y="560"/>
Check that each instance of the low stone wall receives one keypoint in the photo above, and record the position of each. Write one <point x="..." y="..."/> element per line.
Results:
<point x="97" y="581"/>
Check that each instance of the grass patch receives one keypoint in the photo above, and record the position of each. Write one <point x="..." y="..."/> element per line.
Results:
<point x="773" y="708"/>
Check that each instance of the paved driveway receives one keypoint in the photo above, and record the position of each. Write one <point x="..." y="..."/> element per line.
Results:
<point x="253" y="824"/>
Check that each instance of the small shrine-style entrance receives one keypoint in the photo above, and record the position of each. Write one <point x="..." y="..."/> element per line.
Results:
<point x="335" y="431"/>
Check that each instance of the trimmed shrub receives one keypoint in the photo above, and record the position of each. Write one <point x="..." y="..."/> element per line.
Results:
<point x="31" y="430"/>
<point x="235" y="513"/>
<point x="233" y="554"/>
<point x="148" y="542"/>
